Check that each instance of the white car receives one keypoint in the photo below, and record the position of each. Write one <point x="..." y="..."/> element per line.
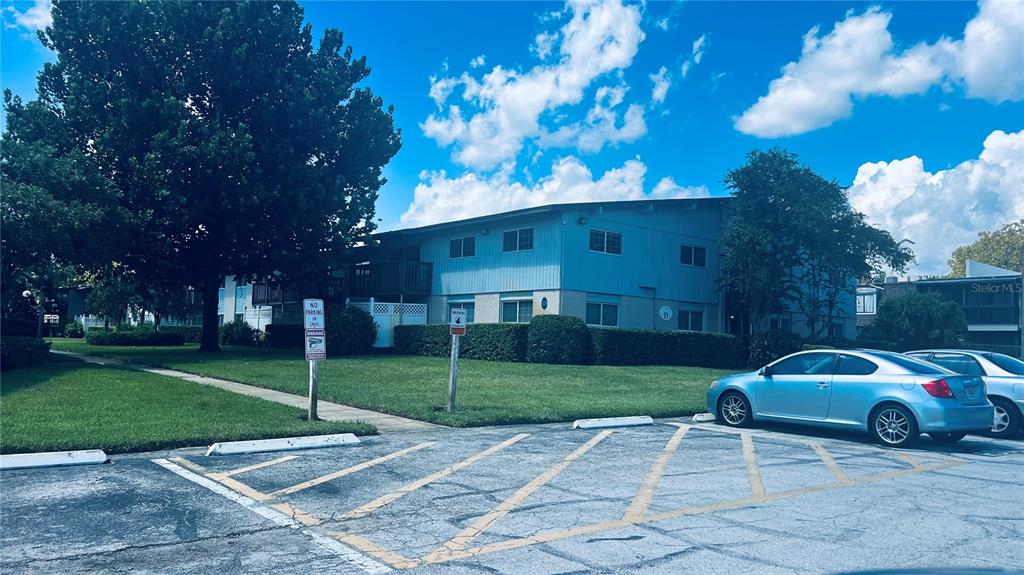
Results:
<point x="1004" y="378"/>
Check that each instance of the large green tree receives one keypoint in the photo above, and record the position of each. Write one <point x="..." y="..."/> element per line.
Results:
<point x="1003" y="247"/>
<point x="792" y="241"/>
<point x="58" y="213"/>
<point x="237" y="145"/>
<point x="919" y="320"/>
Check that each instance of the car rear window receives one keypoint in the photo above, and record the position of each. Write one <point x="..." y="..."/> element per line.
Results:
<point x="1006" y="363"/>
<point x="913" y="365"/>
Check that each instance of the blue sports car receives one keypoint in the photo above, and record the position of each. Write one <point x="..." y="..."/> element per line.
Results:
<point x="893" y="397"/>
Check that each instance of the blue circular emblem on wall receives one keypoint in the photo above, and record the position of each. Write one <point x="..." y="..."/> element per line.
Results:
<point x="543" y="303"/>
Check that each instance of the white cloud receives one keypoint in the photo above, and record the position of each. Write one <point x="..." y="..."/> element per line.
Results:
<point x="661" y="81"/>
<point x="696" y="55"/>
<point x="600" y="37"/>
<point x="662" y="24"/>
<point x="990" y="58"/>
<point x="601" y="124"/>
<point x="440" y="198"/>
<point x="942" y="210"/>
<point x="478" y="61"/>
<point x="35" y="17"/>
<point x="858" y="58"/>
<point x="667" y="188"/>
<point x="544" y="44"/>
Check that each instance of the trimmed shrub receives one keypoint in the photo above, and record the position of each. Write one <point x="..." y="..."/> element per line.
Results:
<point x="238" y="332"/>
<point x="561" y="339"/>
<point x="488" y="341"/>
<point x="133" y="337"/>
<point x="647" y="347"/>
<point x="191" y="333"/>
<point x="20" y="351"/>
<point x="350" y="331"/>
<point x="19" y="326"/>
<point x="283" y="335"/>
<point x="767" y="347"/>
<point x="74" y="329"/>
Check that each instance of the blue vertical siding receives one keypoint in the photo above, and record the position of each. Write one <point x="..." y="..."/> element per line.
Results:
<point x="652" y="234"/>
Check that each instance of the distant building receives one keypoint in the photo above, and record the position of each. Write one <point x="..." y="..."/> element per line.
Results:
<point x="991" y="298"/>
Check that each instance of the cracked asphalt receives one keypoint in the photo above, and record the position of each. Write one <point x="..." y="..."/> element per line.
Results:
<point x="537" y="500"/>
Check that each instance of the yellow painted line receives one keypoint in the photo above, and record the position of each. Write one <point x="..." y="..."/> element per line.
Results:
<point x="467" y="535"/>
<point x="909" y="459"/>
<point x="409" y="488"/>
<point x="658" y="517"/>
<point x="193" y="467"/>
<point x="350" y="470"/>
<point x="753" y="471"/>
<point x="249" y="468"/>
<point x="366" y="546"/>
<point x="296" y="514"/>
<point x="643" y="497"/>
<point x="228" y="482"/>
<point x="830" y="462"/>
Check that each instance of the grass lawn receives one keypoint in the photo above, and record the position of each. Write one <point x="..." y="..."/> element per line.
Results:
<point x="68" y="405"/>
<point x="489" y="393"/>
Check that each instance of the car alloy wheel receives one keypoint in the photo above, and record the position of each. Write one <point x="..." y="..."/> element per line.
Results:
<point x="734" y="410"/>
<point x="1006" y="421"/>
<point x="1000" y="419"/>
<point x="892" y="426"/>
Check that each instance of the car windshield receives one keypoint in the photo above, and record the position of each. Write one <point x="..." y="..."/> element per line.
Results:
<point x="912" y="364"/>
<point x="1006" y="363"/>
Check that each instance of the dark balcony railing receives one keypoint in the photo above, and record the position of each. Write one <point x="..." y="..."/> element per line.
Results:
<point x="266" y="294"/>
<point x="989" y="315"/>
<point x="390" y="279"/>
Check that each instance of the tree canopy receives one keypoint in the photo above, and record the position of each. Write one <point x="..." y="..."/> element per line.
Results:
<point x="792" y="240"/>
<point x="917" y="321"/>
<point x="232" y="143"/>
<point x="1003" y="248"/>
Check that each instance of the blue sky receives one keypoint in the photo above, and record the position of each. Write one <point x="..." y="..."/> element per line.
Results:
<point x="918" y="106"/>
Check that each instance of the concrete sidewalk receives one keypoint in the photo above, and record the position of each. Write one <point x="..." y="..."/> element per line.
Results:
<point x="326" y="410"/>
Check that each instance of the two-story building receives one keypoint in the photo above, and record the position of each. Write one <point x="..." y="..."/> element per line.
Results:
<point x="991" y="297"/>
<point x="643" y="264"/>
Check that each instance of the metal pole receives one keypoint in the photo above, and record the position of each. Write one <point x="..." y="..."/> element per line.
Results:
<point x="454" y="374"/>
<point x="313" y="374"/>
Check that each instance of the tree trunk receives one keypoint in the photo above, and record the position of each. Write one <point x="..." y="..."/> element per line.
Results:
<point x="39" y="317"/>
<point x="156" y="321"/>
<point x="210" y="340"/>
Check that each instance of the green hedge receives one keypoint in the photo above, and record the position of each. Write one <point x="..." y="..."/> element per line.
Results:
<point x="613" y="346"/>
<point x="489" y="341"/>
<point x="350" y="331"/>
<point x="19" y="326"/>
<point x="133" y="337"/>
<point x="560" y="339"/>
<point x="191" y="333"/>
<point x="767" y="347"/>
<point x="284" y="335"/>
<point x="237" y="332"/>
<point x="74" y="329"/>
<point x="20" y="351"/>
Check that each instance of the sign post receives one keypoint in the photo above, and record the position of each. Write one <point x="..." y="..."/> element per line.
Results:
<point x="457" y="327"/>
<point x="316" y="346"/>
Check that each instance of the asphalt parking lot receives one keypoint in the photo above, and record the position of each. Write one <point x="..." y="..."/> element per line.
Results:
<point x="668" y="498"/>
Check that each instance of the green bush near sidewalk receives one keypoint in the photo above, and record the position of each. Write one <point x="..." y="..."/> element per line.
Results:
<point x="19" y="351"/>
<point x="487" y="341"/>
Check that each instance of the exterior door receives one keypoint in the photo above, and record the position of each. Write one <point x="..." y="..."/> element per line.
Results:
<point x="799" y="386"/>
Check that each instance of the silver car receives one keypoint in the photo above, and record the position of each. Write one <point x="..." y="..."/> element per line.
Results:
<point x="893" y="397"/>
<point x="1004" y="379"/>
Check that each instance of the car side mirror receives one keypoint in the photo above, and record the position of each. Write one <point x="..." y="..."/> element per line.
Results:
<point x="766" y="371"/>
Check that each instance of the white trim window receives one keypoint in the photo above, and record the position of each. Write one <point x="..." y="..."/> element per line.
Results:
<point x="603" y="314"/>
<point x="690" y="320"/>
<point x="866" y="303"/>
<point x="606" y="242"/>
<point x="520" y="240"/>
<point x="696" y="256"/>
<point x="462" y="247"/>
<point x="517" y="311"/>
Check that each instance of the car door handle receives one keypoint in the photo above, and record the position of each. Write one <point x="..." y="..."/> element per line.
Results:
<point x="822" y="385"/>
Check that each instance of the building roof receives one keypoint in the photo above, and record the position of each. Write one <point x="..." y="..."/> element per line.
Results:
<point x="553" y="208"/>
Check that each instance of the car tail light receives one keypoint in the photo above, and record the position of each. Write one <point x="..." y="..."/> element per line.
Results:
<point x="938" y="388"/>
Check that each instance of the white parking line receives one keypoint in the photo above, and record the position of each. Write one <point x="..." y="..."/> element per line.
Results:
<point x="347" y="554"/>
